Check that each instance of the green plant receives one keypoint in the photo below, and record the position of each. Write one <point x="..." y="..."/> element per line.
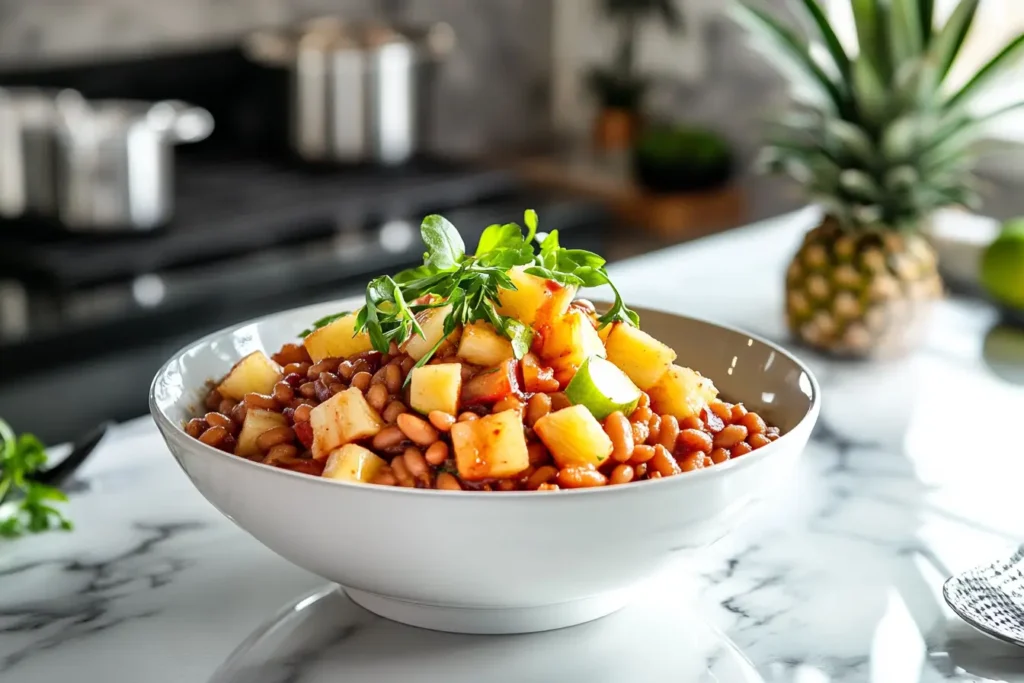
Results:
<point x="681" y="158"/>
<point x="20" y="458"/>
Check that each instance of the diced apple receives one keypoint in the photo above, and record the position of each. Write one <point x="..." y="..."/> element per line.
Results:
<point x="482" y="345"/>
<point x="337" y="340"/>
<point x="431" y="321"/>
<point x="436" y="387"/>
<point x="568" y="341"/>
<point x="353" y="463"/>
<point x="341" y="419"/>
<point x="256" y="422"/>
<point x="493" y="447"/>
<point x="574" y="437"/>
<point x="493" y="384"/>
<point x="681" y="392"/>
<point x="643" y="358"/>
<point x="253" y="374"/>
<point x="535" y="298"/>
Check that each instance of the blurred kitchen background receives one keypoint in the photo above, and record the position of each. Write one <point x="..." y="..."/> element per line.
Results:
<point x="167" y="169"/>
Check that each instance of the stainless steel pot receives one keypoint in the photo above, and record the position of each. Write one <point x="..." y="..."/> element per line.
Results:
<point x="359" y="92"/>
<point x="115" y="163"/>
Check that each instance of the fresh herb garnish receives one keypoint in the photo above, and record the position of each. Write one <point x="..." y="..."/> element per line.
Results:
<point x="471" y="284"/>
<point x="322" y="322"/>
<point x="21" y="457"/>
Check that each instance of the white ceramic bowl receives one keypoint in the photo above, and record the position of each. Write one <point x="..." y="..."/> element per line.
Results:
<point x="479" y="562"/>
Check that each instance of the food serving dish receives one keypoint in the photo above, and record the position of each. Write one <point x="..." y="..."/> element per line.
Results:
<point x="483" y="559"/>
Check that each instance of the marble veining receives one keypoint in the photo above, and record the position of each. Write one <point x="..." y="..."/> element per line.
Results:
<point x="836" y="579"/>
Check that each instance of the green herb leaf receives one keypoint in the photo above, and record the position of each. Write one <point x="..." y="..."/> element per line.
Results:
<point x="21" y="457"/>
<point x="322" y="322"/>
<point x="568" y="279"/>
<point x="505" y="236"/>
<point x="530" y="218"/>
<point x="521" y="336"/>
<point x="444" y="243"/>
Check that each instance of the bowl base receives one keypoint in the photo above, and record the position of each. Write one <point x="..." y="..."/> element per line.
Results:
<point x="491" y="621"/>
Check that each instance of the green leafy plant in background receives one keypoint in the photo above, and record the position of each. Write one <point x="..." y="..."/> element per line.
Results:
<point x="25" y="505"/>
<point x="681" y="158"/>
<point x="880" y="138"/>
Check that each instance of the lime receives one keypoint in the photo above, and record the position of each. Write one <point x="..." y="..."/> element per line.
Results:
<point x="602" y="388"/>
<point x="1002" y="265"/>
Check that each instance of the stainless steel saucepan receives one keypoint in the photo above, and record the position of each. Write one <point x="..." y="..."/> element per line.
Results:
<point x="360" y="92"/>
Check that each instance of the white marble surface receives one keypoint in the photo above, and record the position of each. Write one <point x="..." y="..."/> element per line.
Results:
<point x="914" y="474"/>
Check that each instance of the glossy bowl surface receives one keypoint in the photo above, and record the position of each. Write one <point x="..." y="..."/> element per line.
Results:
<point x="489" y="562"/>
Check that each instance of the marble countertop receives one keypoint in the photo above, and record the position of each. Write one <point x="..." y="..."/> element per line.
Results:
<point x="913" y="474"/>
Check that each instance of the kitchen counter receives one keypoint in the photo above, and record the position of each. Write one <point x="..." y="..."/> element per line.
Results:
<point x="913" y="474"/>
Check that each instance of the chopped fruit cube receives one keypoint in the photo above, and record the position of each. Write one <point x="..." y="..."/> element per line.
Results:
<point x="256" y="422"/>
<point x="568" y="341"/>
<point x="643" y="358"/>
<point x="535" y="299"/>
<point x="253" y="374"/>
<point x="603" y="389"/>
<point x="493" y="384"/>
<point x="353" y="463"/>
<point x="342" y="419"/>
<point x="431" y="321"/>
<point x="337" y="340"/>
<point x="536" y="377"/>
<point x="436" y="387"/>
<point x="482" y="345"/>
<point x="493" y="447"/>
<point x="574" y="437"/>
<point x="681" y="392"/>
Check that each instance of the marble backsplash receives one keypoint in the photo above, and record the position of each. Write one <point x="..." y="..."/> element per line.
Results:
<point x="493" y="91"/>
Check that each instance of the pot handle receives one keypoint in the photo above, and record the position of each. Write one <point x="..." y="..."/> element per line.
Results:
<point x="183" y="122"/>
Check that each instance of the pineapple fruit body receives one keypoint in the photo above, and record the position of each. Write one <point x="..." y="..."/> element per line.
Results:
<point x="863" y="293"/>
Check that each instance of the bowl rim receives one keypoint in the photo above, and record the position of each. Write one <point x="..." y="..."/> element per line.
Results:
<point x="721" y="470"/>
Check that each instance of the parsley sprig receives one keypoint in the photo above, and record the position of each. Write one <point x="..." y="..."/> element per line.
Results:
<point x="21" y="457"/>
<point x="471" y="284"/>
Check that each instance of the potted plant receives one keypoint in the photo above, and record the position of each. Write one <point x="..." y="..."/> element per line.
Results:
<point x="617" y="86"/>
<point x="668" y="159"/>
<point x="880" y="141"/>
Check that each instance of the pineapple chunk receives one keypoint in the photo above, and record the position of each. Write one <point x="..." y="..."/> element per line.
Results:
<point x="432" y="323"/>
<point x="574" y="437"/>
<point x="341" y="419"/>
<point x="681" y="392"/>
<point x="253" y="374"/>
<point x="256" y="422"/>
<point x="643" y="358"/>
<point x="568" y="341"/>
<point x="534" y="299"/>
<point x="493" y="447"/>
<point x="353" y="463"/>
<point x="436" y="387"/>
<point x="337" y="340"/>
<point x="482" y="345"/>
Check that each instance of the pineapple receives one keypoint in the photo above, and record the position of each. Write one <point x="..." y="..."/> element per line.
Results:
<point x="535" y="300"/>
<point x="256" y="422"/>
<point x="431" y="321"/>
<point x="253" y="374"/>
<point x="880" y="139"/>
<point x="436" y="387"/>
<point x="681" y="392"/>
<point x="574" y="437"/>
<point x="353" y="463"/>
<point x="568" y="341"/>
<point x="643" y="358"/>
<point x="493" y="447"/>
<point x="482" y="345"/>
<point x="337" y="340"/>
<point x="341" y="419"/>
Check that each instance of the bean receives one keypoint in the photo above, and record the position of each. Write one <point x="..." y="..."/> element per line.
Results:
<point x="663" y="462"/>
<point x="691" y="422"/>
<point x="640" y="470"/>
<point x="467" y="372"/>
<point x="196" y="426"/>
<point x="325" y="365"/>
<point x="695" y="440"/>
<point x="393" y="348"/>
<point x="719" y="455"/>
<point x="506" y="485"/>
<point x="753" y="423"/>
<point x="692" y="461"/>
<point x="669" y="432"/>
<point x="559" y="401"/>
<point x="744" y="447"/>
<point x="538" y="406"/>
<point x="336" y="388"/>
<point x="738" y="411"/>
<point x="361" y="380"/>
<point x="542" y="475"/>
<point x="468" y="417"/>
<point x="214" y="436"/>
<point x="226" y="406"/>
<point x="417" y="464"/>
<point x="407" y="364"/>
<point x="417" y="429"/>
<point x="441" y="420"/>
<point x="580" y="477"/>
<point x="654" y="425"/>
<point x="238" y="413"/>
<point x="538" y="453"/>
<point x="393" y="378"/>
<point x="392" y="411"/>
<point x="654" y="475"/>
<point x="219" y="420"/>
<point x="213" y="400"/>
<point x="730" y="436"/>
<point x="290" y="353"/>
<point x="548" y="487"/>
<point x="641" y="454"/>
<point x="274" y="436"/>
<point x="757" y="441"/>
<point x="713" y="423"/>
<point x="645" y="400"/>
<point x="282" y="451"/>
<point x="260" y="401"/>
<point x="437" y="453"/>
<point x="302" y="412"/>
<point x="308" y="390"/>
<point x="323" y="392"/>
<point x="386" y="477"/>
<point x="642" y="414"/>
<point x="508" y="403"/>
<point x="377" y="396"/>
<point x="387" y="438"/>
<point x="402" y="473"/>
<point x="283" y="393"/>
<point x="640" y="432"/>
<point x="345" y="370"/>
<point x="294" y="379"/>
<point x="622" y="474"/>
<point x="447" y="482"/>
<point x="296" y="369"/>
<point x="722" y="409"/>
<point x="619" y="431"/>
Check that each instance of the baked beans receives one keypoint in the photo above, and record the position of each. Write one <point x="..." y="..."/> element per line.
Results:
<point x="619" y="431"/>
<point x="537" y="407"/>
<point x="580" y="478"/>
<point x="392" y="411"/>
<point x="441" y="420"/>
